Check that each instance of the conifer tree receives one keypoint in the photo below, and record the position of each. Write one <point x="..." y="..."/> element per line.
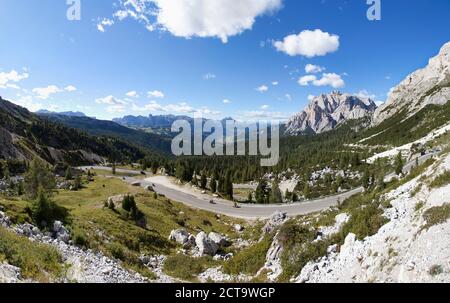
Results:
<point x="275" y="194"/>
<point x="399" y="164"/>
<point x="39" y="176"/>
<point x="203" y="181"/>
<point x="68" y="175"/>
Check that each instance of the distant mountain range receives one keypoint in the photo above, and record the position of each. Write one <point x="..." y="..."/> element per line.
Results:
<point x="24" y="136"/>
<point x="69" y="113"/>
<point x="151" y="121"/>
<point x="150" y="142"/>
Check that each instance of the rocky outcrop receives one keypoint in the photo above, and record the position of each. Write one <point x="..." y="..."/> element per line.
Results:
<point x="60" y="232"/>
<point x="402" y="250"/>
<point x="116" y="200"/>
<point x="84" y="266"/>
<point x="205" y="246"/>
<point x="340" y="220"/>
<point x="9" y="274"/>
<point x="272" y="266"/>
<point x="219" y="239"/>
<point x="325" y="112"/>
<point x="4" y="220"/>
<point x="430" y="85"/>
<point x="276" y="220"/>
<point x="182" y="237"/>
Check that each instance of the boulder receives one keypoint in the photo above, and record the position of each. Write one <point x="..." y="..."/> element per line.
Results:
<point x="116" y="200"/>
<point x="277" y="219"/>
<point x="9" y="273"/>
<point x="219" y="239"/>
<point x="4" y="220"/>
<point x="205" y="245"/>
<point x="60" y="232"/>
<point x="238" y="227"/>
<point x="26" y="229"/>
<point x="182" y="237"/>
<point x="224" y="257"/>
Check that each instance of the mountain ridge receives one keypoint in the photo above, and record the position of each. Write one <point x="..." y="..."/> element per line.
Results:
<point x="426" y="86"/>
<point x="327" y="111"/>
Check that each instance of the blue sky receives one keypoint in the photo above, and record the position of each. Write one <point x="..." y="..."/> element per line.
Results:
<point x="174" y="58"/>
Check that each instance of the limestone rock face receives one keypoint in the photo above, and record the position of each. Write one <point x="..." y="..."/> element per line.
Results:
<point x="277" y="219"/>
<point x="327" y="111"/>
<point x="9" y="273"/>
<point x="182" y="237"/>
<point x="205" y="245"/>
<point x="219" y="239"/>
<point x="430" y="85"/>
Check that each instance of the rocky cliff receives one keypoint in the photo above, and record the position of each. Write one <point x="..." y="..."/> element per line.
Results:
<point x="430" y="85"/>
<point x="327" y="111"/>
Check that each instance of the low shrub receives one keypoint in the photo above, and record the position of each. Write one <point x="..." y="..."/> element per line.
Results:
<point x="436" y="215"/>
<point x="186" y="267"/>
<point x="441" y="180"/>
<point x="249" y="260"/>
<point x="37" y="261"/>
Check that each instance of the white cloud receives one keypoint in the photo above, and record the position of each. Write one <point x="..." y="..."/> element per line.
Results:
<point x="70" y="88"/>
<point x="218" y="18"/>
<point x="262" y="89"/>
<point x="13" y="86"/>
<point x="102" y="24"/>
<point x="116" y="108"/>
<point x="365" y="94"/>
<point x="155" y="94"/>
<point x="197" y="18"/>
<point x="45" y="92"/>
<point x="265" y="107"/>
<point x="132" y="94"/>
<point x="288" y="97"/>
<point x="305" y="80"/>
<point x="28" y="102"/>
<point x="121" y="14"/>
<point x="311" y="97"/>
<point x="13" y="76"/>
<point x="309" y="44"/>
<point x="313" y="69"/>
<point x="110" y="100"/>
<point x="209" y="76"/>
<point x="179" y="108"/>
<point x="264" y="115"/>
<point x="331" y="79"/>
<point x="226" y="101"/>
<point x="153" y="106"/>
<point x="275" y="83"/>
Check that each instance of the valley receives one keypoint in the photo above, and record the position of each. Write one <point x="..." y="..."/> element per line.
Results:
<point x="97" y="189"/>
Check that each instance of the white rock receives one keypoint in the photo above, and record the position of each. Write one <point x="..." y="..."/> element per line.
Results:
<point x="182" y="237"/>
<point x="219" y="239"/>
<point x="205" y="245"/>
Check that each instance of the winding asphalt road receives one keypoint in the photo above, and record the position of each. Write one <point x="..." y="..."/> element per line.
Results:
<point x="246" y="211"/>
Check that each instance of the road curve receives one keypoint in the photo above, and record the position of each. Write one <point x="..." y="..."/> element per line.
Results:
<point x="249" y="211"/>
<point x="245" y="211"/>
